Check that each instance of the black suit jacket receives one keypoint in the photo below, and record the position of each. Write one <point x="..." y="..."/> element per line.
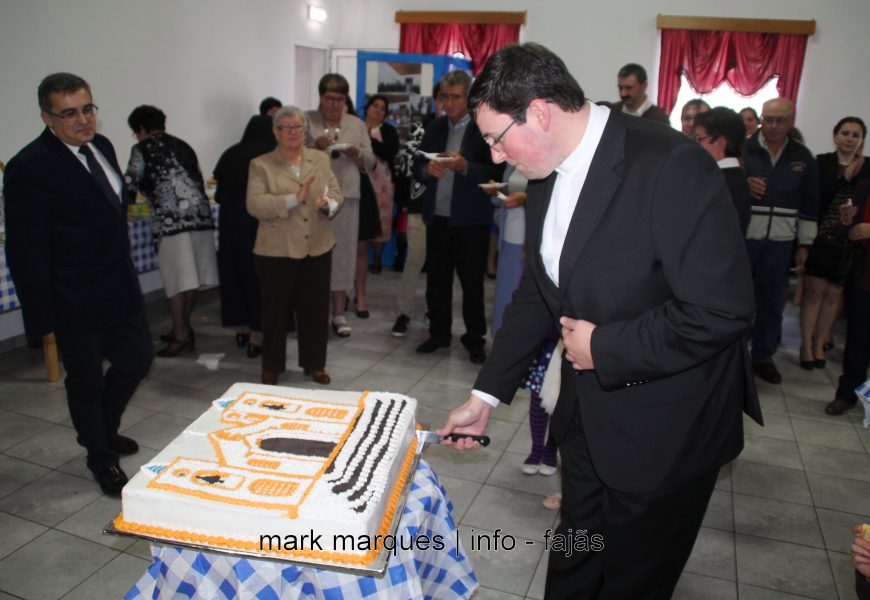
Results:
<point x="738" y="186"/>
<point x="653" y="113"/>
<point x="654" y="257"/>
<point x="469" y="205"/>
<point x="66" y="241"/>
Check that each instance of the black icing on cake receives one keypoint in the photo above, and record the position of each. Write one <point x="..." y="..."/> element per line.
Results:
<point x="355" y="483"/>
<point x="299" y="447"/>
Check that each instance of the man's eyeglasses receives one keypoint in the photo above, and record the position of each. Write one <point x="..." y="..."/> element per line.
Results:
<point x="492" y="142"/>
<point x="771" y="120"/>
<point x="284" y="128"/>
<point x="71" y="114"/>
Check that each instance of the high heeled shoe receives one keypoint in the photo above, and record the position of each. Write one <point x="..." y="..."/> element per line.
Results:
<point x="806" y="365"/>
<point x="168" y="337"/>
<point x="242" y="339"/>
<point x="175" y="347"/>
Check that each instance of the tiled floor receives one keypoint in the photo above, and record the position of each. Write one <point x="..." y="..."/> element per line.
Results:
<point x="777" y="526"/>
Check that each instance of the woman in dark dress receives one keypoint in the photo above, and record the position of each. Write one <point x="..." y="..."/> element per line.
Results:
<point x="240" y="289"/>
<point x="839" y="173"/>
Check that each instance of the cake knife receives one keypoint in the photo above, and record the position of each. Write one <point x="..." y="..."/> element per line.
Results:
<point x="431" y="437"/>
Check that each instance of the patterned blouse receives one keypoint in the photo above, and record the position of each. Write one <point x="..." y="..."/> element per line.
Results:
<point x="165" y="170"/>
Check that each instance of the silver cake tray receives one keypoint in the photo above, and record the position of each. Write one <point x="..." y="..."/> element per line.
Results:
<point x="376" y="568"/>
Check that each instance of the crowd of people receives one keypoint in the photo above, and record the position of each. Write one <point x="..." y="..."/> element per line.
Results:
<point x="689" y="305"/>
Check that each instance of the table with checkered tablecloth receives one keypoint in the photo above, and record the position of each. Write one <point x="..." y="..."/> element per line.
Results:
<point x="182" y="572"/>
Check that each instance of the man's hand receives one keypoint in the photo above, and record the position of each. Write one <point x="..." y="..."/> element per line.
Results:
<point x="577" y="337"/>
<point x="861" y="552"/>
<point x="800" y="258"/>
<point x="757" y="186"/>
<point x="435" y="168"/>
<point x="458" y="164"/>
<point x="471" y="418"/>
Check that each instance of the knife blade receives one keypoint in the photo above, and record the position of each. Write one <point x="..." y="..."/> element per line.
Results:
<point x="430" y="437"/>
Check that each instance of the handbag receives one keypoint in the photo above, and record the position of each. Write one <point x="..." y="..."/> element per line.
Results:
<point x="369" y="214"/>
<point x="833" y="258"/>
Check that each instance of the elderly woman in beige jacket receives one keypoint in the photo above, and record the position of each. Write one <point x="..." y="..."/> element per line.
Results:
<point x="293" y="193"/>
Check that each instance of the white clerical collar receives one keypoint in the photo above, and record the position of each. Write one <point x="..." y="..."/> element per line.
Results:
<point x="582" y="154"/>
<point x="729" y="162"/>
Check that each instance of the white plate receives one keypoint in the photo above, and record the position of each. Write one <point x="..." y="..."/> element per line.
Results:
<point x="492" y="186"/>
<point x="339" y="146"/>
<point x="501" y="196"/>
<point x="433" y="156"/>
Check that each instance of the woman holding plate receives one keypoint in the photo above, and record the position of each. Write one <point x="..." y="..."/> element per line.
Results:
<point x="345" y="138"/>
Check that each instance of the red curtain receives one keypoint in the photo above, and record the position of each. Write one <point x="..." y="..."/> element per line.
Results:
<point x="745" y="60"/>
<point x="476" y="42"/>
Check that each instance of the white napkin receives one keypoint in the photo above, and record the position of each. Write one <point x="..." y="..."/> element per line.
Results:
<point x="210" y="361"/>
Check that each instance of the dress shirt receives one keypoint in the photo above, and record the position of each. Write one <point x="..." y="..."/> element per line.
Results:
<point x="114" y="178"/>
<point x="444" y="192"/>
<point x="571" y="175"/>
<point x="640" y="109"/>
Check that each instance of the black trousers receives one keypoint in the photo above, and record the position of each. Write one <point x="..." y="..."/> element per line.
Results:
<point x="856" y="354"/>
<point x="461" y="250"/>
<point x="299" y="285"/>
<point x="646" y="538"/>
<point x="97" y="399"/>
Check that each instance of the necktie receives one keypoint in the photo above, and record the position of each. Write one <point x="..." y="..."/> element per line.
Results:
<point x="99" y="175"/>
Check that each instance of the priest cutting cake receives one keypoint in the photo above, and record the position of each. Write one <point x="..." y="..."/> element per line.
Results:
<point x="635" y="253"/>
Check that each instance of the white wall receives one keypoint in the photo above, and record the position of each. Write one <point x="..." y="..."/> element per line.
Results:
<point x="207" y="63"/>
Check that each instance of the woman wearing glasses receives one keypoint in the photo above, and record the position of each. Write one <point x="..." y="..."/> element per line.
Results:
<point x="293" y="193"/>
<point x="165" y="170"/>
<point x="345" y="138"/>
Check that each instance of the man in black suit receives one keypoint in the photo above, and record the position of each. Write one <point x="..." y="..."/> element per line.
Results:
<point x="721" y="132"/>
<point x="634" y="252"/>
<point x="458" y="215"/>
<point x="69" y="255"/>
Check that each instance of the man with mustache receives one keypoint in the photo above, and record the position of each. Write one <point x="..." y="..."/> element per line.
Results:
<point x="631" y="81"/>
<point x="69" y="255"/>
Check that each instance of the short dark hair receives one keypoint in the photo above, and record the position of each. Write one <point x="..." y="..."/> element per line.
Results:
<point x="268" y="104"/>
<point x="633" y="69"/>
<point x="65" y="83"/>
<point x="698" y="102"/>
<point x="854" y="120"/>
<point x="149" y="118"/>
<point x="725" y="123"/>
<point x="750" y="109"/>
<point x="333" y="82"/>
<point x="520" y="73"/>
<point x="374" y="97"/>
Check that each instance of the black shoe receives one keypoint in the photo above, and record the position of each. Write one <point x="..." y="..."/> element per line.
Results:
<point x="254" y="350"/>
<point x="431" y="345"/>
<point x="477" y="356"/>
<point x="242" y="339"/>
<point x="111" y="480"/>
<point x="124" y="446"/>
<point x="768" y="372"/>
<point x="400" y="329"/>
<point x="363" y="314"/>
<point x="828" y="346"/>
<point x="819" y="363"/>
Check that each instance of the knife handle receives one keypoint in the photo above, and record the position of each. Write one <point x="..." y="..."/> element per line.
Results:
<point x="483" y="440"/>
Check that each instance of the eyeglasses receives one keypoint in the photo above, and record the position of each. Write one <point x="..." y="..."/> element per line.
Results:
<point x="71" y="114"/>
<point x="492" y="142"/>
<point x="285" y="128"/>
<point x="771" y="120"/>
<point x="333" y="99"/>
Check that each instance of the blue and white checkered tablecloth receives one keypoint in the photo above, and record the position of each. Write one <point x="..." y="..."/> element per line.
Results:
<point x="142" y="244"/>
<point x="411" y="574"/>
<point x="8" y="297"/>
